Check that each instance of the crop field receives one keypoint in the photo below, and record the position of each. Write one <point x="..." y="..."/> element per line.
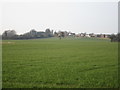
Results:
<point x="65" y="63"/>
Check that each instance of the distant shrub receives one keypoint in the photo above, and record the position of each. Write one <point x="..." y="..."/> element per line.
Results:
<point x="115" y="38"/>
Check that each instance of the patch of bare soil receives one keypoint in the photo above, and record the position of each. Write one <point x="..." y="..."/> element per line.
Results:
<point x="7" y="43"/>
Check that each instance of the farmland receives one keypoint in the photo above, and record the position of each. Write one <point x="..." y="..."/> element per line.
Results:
<point x="65" y="63"/>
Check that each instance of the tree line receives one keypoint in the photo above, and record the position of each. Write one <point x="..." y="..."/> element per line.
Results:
<point x="11" y="34"/>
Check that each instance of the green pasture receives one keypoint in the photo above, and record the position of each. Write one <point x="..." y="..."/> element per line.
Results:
<point x="66" y="63"/>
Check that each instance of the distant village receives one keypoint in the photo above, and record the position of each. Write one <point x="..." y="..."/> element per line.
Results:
<point x="32" y="34"/>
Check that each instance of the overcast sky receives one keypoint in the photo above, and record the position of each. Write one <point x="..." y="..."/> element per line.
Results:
<point x="89" y="17"/>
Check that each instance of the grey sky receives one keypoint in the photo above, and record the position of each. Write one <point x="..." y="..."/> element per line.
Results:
<point x="96" y="17"/>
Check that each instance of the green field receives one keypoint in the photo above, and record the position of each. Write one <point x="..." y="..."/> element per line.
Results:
<point x="65" y="63"/>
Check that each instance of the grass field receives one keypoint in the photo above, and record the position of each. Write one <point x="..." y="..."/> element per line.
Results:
<point x="54" y="63"/>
